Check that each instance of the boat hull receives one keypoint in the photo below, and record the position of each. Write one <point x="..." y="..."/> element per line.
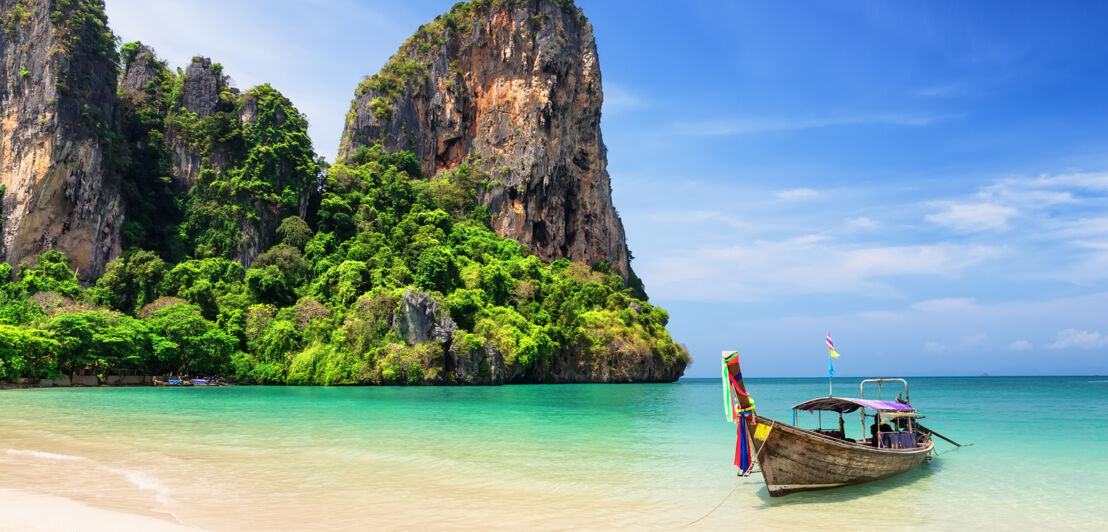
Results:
<point x="793" y="459"/>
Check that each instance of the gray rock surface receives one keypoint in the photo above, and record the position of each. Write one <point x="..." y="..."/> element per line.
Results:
<point x="420" y="319"/>
<point x="141" y="70"/>
<point x="483" y="365"/>
<point x="201" y="87"/>
<point x="200" y="91"/>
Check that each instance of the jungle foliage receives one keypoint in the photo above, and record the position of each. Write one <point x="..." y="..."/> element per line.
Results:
<point x="319" y="304"/>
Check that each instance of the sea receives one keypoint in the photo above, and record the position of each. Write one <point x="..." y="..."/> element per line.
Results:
<point x="590" y="456"/>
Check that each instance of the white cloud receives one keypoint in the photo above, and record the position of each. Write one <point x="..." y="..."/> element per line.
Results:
<point x="1084" y="228"/>
<point x="934" y="347"/>
<point x="793" y="194"/>
<point x="811" y="264"/>
<point x="1046" y="191"/>
<point x="878" y="315"/>
<point x="972" y="217"/>
<point x="1094" y="181"/>
<point x="946" y="305"/>
<point x="1020" y="345"/>
<point x="1075" y="339"/>
<point x="742" y="125"/>
<point x="696" y="216"/>
<point x="861" y="223"/>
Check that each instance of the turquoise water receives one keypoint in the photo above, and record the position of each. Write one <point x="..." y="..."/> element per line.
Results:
<point x="593" y="456"/>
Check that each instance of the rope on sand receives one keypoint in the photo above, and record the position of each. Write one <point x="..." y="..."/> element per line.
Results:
<point x="757" y="453"/>
<point x="701" y="518"/>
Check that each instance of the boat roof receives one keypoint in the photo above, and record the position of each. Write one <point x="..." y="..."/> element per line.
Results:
<point x="847" y="404"/>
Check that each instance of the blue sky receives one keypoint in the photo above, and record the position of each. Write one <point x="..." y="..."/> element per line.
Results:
<point x="928" y="181"/>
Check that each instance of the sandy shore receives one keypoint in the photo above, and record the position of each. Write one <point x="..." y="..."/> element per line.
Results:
<point x="24" y="510"/>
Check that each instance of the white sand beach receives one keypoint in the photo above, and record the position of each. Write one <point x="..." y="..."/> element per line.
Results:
<point x="30" y="511"/>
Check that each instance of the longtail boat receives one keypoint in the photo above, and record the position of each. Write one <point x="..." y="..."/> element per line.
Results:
<point x="794" y="459"/>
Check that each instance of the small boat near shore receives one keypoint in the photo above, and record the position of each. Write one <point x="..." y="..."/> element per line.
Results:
<point x="185" y="381"/>
<point x="793" y="459"/>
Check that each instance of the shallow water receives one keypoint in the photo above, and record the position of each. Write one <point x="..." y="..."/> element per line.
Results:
<point x="591" y="456"/>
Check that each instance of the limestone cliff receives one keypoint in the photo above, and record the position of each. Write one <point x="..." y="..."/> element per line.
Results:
<point x="201" y="88"/>
<point x="57" y="133"/>
<point x="513" y="88"/>
<point x="240" y="161"/>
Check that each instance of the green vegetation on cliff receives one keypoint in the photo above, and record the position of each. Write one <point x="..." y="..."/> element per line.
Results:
<point x="153" y="212"/>
<point x="247" y="256"/>
<point x="255" y="161"/>
<point x="321" y="306"/>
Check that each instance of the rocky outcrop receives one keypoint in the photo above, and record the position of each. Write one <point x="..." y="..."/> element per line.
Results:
<point x="57" y="122"/>
<point x="201" y="87"/>
<point x="420" y="320"/>
<point x="513" y="88"/>
<point x="200" y="90"/>
<point x="480" y="365"/>
<point x="213" y="133"/>
<point x="139" y="71"/>
<point x="469" y="360"/>
<point x="620" y="365"/>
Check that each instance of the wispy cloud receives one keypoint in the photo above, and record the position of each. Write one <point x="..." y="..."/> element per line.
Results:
<point x="742" y="125"/>
<point x="932" y="346"/>
<point x="861" y="223"/>
<point x="946" y="305"/>
<point x="797" y="194"/>
<point x="1075" y="339"/>
<point x="812" y="264"/>
<point x="1046" y="190"/>
<point x="1020" y="345"/>
<point x="699" y="217"/>
<point x="971" y="217"/>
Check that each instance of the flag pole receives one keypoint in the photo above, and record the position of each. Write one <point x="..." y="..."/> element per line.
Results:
<point x="830" y="368"/>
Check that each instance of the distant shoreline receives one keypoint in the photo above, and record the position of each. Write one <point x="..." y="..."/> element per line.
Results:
<point x="689" y="380"/>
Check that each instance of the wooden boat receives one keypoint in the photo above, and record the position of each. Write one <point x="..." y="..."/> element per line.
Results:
<point x="793" y="459"/>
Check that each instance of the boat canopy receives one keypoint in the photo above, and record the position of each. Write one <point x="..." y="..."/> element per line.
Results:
<point x="845" y="405"/>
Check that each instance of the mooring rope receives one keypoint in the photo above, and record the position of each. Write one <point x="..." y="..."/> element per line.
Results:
<point x="733" y="488"/>
<point x="701" y="518"/>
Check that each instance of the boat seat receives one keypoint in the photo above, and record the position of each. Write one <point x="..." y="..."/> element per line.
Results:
<point x="898" y="440"/>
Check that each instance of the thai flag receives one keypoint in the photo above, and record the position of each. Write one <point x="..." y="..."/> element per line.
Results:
<point x="831" y="347"/>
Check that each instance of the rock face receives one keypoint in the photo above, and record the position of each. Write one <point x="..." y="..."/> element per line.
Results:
<point x="57" y="114"/>
<point x="201" y="87"/>
<point x="514" y="90"/>
<point x="208" y="131"/>
<point x="420" y="319"/>
<point x="482" y="365"/>
<point x="200" y="90"/>
<point x="140" y="71"/>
